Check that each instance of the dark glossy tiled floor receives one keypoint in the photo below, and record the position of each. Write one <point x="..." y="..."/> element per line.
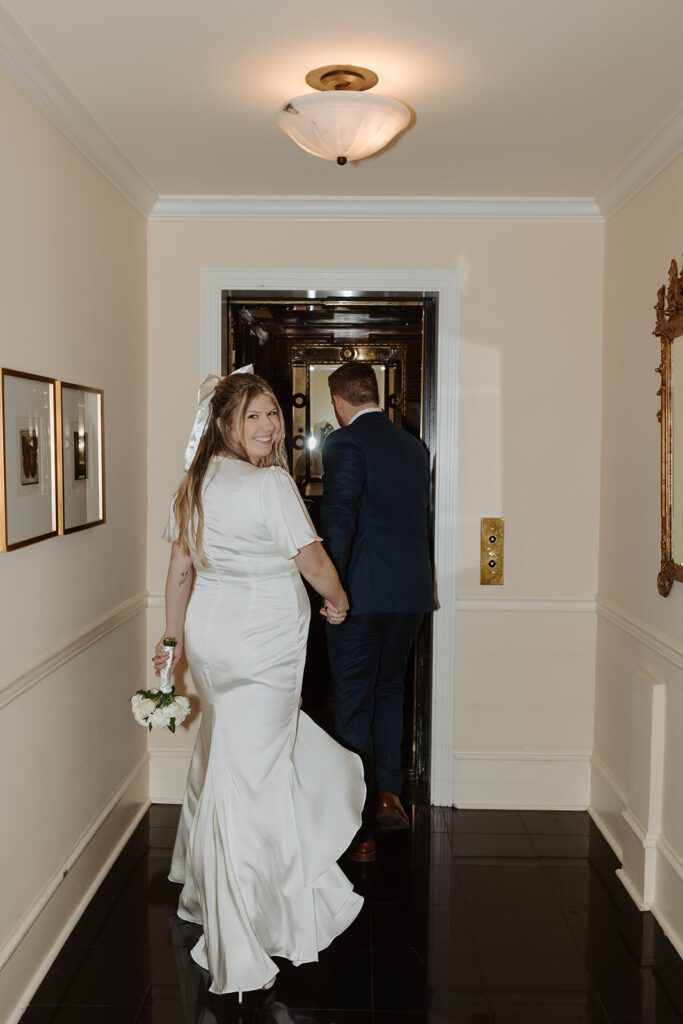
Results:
<point x="485" y="917"/>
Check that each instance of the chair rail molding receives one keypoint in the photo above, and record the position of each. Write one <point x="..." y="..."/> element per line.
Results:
<point x="661" y="643"/>
<point x="60" y="654"/>
<point x="445" y="285"/>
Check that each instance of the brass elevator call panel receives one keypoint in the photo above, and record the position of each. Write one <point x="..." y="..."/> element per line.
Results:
<point x="491" y="551"/>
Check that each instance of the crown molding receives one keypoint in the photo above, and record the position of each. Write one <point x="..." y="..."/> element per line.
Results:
<point x="663" y="146"/>
<point x="28" y="67"/>
<point x="377" y="208"/>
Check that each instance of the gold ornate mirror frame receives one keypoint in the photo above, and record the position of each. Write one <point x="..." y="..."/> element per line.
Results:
<point x="668" y="327"/>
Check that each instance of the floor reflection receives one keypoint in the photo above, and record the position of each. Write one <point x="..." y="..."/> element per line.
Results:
<point x="193" y="982"/>
<point x="483" y="917"/>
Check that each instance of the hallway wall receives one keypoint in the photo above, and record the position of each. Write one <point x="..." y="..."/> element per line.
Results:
<point x="638" y="757"/>
<point x="72" y="761"/>
<point x="529" y="394"/>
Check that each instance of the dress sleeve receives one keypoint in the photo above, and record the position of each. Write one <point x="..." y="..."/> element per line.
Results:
<point x="170" y="532"/>
<point x="284" y="513"/>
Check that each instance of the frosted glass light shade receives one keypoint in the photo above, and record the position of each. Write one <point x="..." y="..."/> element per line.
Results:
<point x="349" y="125"/>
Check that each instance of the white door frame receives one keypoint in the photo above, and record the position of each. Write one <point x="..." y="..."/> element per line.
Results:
<point x="444" y="283"/>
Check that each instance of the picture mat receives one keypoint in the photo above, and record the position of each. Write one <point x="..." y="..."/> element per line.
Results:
<point x="31" y="511"/>
<point x="82" y="499"/>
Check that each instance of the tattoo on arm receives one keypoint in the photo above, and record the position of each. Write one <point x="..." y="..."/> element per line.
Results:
<point x="184" y="576"/>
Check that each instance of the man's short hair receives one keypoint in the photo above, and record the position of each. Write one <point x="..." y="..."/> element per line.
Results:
<point x="356" y="383"/>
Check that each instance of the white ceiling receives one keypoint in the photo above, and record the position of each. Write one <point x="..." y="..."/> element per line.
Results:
<point x="512" y="97"/>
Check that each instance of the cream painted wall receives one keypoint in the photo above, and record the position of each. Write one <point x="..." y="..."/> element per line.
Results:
<point x="72" y="306"/>
<point x="529" y="392"/>
<point x="640" y="636"/>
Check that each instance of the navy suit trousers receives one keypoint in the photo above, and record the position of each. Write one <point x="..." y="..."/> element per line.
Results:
<point x="368" y="658"/>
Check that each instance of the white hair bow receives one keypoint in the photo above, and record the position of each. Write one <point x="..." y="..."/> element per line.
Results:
<point x="204" y="396"/>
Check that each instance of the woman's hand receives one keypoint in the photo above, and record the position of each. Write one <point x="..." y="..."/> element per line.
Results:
<point x="161" y="655"/>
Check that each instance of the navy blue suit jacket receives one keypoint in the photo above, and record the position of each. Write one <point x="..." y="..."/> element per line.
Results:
<point x="374" y="515"/>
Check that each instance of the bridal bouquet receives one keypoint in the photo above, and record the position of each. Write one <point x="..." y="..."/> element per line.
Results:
<point x="158" y="709"/>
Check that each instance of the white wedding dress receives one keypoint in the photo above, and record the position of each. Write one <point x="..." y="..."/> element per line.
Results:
<point x="272" y="801"/>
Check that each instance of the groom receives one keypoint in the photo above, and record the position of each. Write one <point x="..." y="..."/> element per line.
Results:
<point x="374" y="516"/>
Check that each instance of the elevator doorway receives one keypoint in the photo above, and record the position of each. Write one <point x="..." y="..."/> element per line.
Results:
<point x="294" y="340"/>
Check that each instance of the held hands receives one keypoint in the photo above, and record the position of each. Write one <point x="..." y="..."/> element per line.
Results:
<point x="335" y="614"/>
<point x="161" y="655"/>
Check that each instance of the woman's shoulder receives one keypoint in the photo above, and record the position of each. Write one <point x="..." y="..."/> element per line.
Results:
<point x="276" y="484"/>
<point x="276" y="472"/>
<point x="274" y="478"/>
<point x="257" y="478"/>
<point x="228" y="474"/>
<point x="227" y="465"/>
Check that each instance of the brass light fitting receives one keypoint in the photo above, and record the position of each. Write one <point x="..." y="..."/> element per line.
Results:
<point x="341" y="78"/>
<point x="337" y="122"/>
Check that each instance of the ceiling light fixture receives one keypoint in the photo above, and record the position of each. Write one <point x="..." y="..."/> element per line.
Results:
<point x="339" y="122"/>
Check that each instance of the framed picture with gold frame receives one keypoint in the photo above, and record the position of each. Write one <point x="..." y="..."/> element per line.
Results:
<point x="81" y="418"/>
<point x="28" y="459"/>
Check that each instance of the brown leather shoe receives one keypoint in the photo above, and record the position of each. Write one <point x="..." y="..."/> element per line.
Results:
<point x="389" y="813"/>
<point x="362" y="853"/>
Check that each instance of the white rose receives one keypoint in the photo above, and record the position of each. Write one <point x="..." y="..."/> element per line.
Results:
<point x="142" y="707"/>
<point x="179" y="716"/>
<point x="160" y="718"/>
<point x="182" y="709"/>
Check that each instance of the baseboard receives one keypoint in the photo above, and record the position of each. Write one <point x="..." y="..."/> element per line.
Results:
<point x="639" y="861"/>
<point x="609" y="811"/>
<point x="27" y="955"/>
<point x="168" y="775"/>
<point x="521" y="779"/>
<point x="607" y="834"/>
<point x="668" y="908"/>
<point x="607" y="804"/>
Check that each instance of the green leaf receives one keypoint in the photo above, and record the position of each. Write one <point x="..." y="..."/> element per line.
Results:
<point x="171" y="725"/>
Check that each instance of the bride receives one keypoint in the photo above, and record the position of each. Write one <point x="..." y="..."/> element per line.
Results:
<point x="271" y="800"/>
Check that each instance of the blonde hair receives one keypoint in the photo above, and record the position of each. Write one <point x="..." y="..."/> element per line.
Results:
<point x="224" y="435"/>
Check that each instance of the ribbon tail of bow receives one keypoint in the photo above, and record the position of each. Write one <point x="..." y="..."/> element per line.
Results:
<point x="204" y="396"/>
